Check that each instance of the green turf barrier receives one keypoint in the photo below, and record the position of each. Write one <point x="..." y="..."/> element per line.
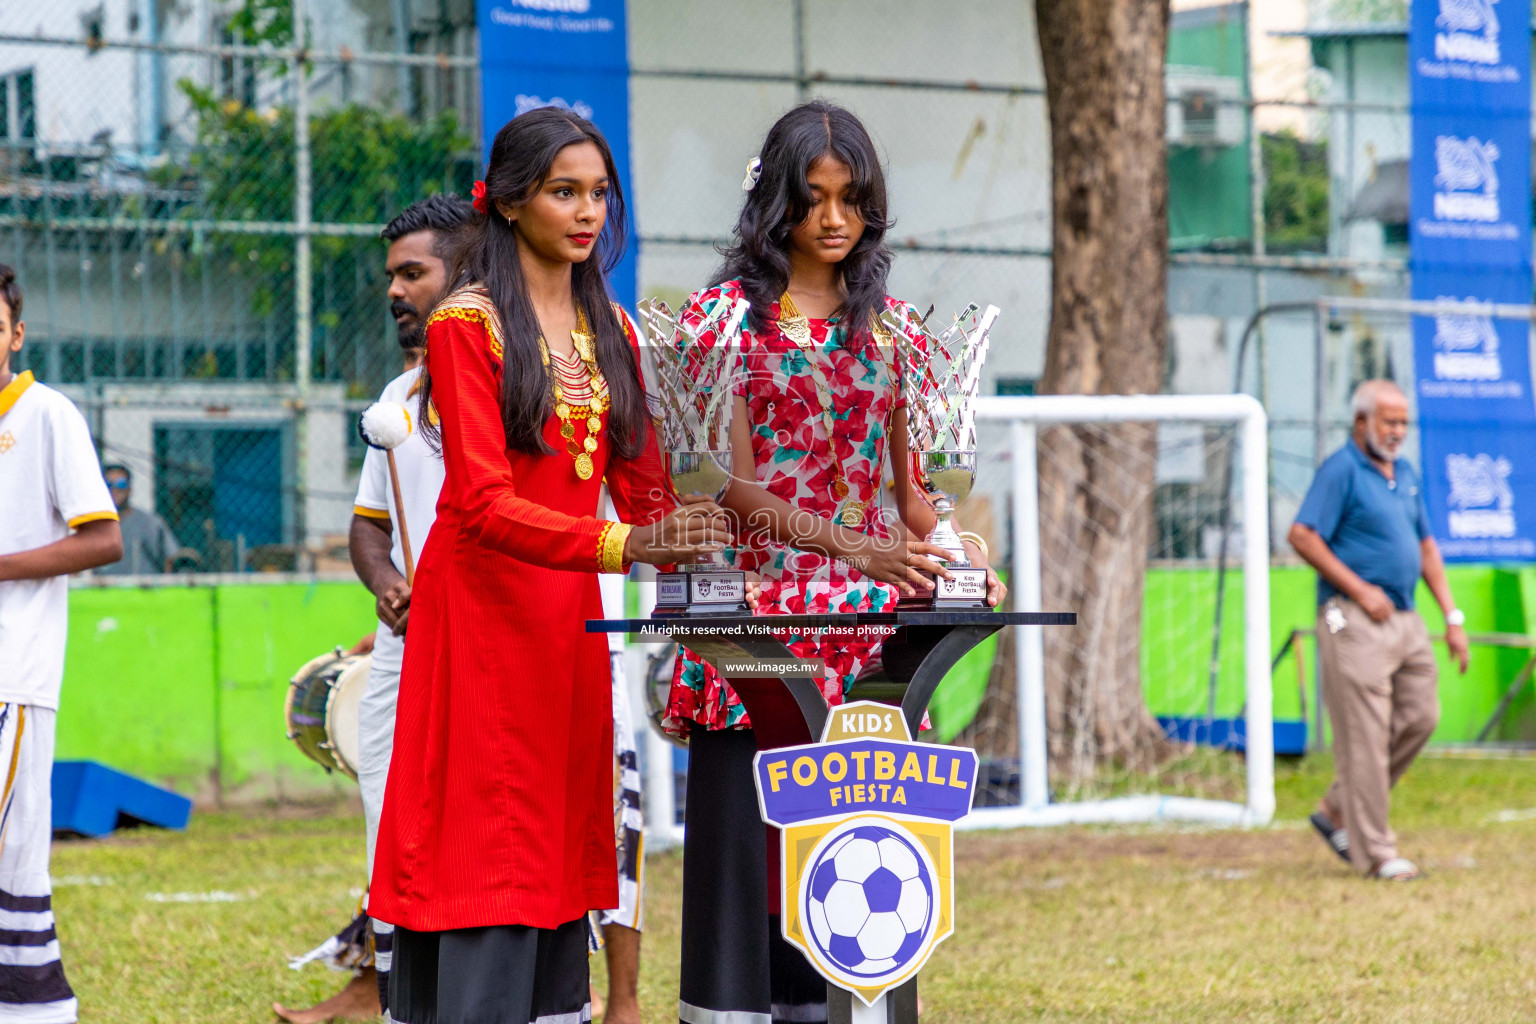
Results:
<point x="139" y="689"/>
<point x="184" y="686"/>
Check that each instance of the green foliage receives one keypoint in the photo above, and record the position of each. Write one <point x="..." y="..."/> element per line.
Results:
<point x="1295" y="192"/>
<point x="366" y="165"/>
<point x="264" y="21"/>
<point x="1367" y="12"/>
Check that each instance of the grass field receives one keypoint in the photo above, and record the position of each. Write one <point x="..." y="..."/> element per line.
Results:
<point x="1058" y="925"/>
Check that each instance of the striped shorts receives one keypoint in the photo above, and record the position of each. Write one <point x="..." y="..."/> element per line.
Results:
<point x="629" y="826"/>
<point x="33" y="989"/>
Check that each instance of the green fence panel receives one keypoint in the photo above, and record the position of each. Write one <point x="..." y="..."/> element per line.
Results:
<point x="1178" y="616"/>
<point x="138" y="684"/>
<point x="265" y="633"/>
<point x="184" y="686"/>
<point x="958" y="698"/>
<point x="1492" y="601"/>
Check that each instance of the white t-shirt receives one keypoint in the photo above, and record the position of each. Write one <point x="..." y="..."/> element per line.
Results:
<point x="50" y="483"/>
<point x="421" y="480"/>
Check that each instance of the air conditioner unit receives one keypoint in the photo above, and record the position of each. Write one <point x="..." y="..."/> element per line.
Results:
<point x="1204" y="110"/>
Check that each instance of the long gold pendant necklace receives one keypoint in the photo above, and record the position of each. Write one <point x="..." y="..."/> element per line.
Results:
<point x="564" y="381"/>
<point x="794" y="325"/>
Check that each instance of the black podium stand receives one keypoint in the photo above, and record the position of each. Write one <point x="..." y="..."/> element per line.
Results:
<point x="920" y="647"/>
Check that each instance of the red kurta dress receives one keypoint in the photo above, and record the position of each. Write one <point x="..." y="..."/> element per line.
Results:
<point x="499" y="805"/>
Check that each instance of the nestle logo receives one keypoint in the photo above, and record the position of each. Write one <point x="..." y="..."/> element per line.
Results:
<point x="1466" y="179"/>
<point x="1469" y="31"/>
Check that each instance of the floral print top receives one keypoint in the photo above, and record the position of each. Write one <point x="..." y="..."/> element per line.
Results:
<point x="794" y="462"/>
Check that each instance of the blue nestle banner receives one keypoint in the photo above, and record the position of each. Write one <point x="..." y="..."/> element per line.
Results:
<point x="1470" y="366"/>
<point x="1471" y="54"/>
<point x="1470" y="189"/>
<point x="562" y="53"/>
<point x="1485" y="510"/>
<point x="1470" y="232"/>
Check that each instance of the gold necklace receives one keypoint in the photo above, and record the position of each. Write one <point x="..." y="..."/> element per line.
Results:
<point x="582" y="339"/>
<point x="797" y="328"/>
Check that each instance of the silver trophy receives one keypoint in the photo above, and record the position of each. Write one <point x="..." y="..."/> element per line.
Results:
<point x="940" y="380"/>
<point x="692" y="388"/>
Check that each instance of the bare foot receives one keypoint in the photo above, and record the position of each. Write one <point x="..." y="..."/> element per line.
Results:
<point x="358" y="1001"/>
<point x="627" y="1012"/>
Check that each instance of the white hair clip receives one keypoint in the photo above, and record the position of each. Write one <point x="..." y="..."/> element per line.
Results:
<point x="754" y="171"/>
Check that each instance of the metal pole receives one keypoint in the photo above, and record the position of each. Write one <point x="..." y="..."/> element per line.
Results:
<point x="1029" y="654"/>
<point x="1319" y="384"/>
<point x="303" y="277"/>
<point x="402" y="15"/>
<point x="1319" y="452"/>
<point x="1256" y="222"/>
<point x="801" y="85"/>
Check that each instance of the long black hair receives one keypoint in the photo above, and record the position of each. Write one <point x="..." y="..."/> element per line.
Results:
<point x="781" y="199"/>
<point x="521" y="157"/>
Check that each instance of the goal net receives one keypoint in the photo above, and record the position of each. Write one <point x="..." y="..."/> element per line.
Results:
<point x="1148" y="517"/>
<point x="1114" y="508"/>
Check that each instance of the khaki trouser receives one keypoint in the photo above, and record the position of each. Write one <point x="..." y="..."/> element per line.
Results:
<point x="1379" y="683"/>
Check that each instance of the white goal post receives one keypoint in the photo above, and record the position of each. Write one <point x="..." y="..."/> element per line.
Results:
<point x="1024" y="415"/>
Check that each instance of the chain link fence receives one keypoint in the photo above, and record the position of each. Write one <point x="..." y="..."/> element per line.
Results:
<point x="197" y="233"/>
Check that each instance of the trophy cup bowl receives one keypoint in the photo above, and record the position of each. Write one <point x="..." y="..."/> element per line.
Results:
<point x="693" y="393"/>
<point x="941" y="376"/>
<point x="709" y="586"/>
<point x="699" y="473"/>
<point x="950" y="474"/>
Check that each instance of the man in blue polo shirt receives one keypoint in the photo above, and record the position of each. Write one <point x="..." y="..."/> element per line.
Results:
<point x="1363" y="527"/>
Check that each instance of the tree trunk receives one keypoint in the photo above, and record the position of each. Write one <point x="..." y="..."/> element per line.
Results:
<point x="1103" y="62"/>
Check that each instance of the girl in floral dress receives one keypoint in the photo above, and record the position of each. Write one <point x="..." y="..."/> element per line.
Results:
<point x="817" y="411"/>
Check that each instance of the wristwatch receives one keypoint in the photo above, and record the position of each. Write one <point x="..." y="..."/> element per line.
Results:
<point x="1455" y="617"/>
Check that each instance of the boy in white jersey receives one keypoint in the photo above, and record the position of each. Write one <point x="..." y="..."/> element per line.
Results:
<point x="56" y="518"/>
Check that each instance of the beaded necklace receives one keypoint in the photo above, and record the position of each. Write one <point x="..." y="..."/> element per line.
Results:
<point x="570" y="383"/>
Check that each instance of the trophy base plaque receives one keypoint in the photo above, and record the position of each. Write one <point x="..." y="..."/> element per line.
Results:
<point x="967" y="591"/>
<point x="701" y="591"/>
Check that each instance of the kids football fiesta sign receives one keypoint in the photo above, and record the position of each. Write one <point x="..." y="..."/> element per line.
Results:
<point x="866" y="844"/>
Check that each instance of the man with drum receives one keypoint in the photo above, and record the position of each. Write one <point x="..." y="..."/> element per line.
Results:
<point x="419" y="240"/>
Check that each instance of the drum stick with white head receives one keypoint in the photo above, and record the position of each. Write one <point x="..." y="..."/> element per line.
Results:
<point x="387" y="425"/>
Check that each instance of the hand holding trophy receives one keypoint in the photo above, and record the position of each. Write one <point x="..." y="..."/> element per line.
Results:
<point x="693" y="390"/>
<point x="940" y="380"/>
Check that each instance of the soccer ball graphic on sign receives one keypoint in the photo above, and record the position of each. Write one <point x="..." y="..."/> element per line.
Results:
<point x="869" y="900"/>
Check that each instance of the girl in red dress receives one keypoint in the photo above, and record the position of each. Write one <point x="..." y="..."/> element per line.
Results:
<point x="497" y="829"/>
<point x="817" y="413"/>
